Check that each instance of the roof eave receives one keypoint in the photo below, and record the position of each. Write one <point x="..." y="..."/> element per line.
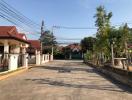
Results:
<point x="5" y="37"/>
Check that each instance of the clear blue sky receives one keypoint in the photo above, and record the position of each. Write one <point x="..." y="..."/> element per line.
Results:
<point x="73" y="13"/>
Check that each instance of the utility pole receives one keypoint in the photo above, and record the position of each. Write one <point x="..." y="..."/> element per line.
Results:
<point x="52" y="42"/>
<point x="42" y="32"/>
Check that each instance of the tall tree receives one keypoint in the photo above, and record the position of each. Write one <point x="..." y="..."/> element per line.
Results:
<point x="48" y="40"/>
<point x="125" y="38"/>
<point x="87" y="44"/>
<point x="103" y="24"/>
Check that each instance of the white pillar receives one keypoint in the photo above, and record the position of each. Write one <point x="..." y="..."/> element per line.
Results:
<point x="23" y="50"/>
<point x="45" y="58"/>
<point x="51" y="57"/>
<point x="42" y="59"/>
<point x="13" y="61"/>
<point x="6" y="47"/>
<point x="38" y="58"/>
<point x="48" y="57"/>
<point x="25" y="62"/>
<point x="23" y="56"/>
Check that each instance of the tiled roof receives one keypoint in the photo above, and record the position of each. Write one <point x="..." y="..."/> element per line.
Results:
<point x="35" y="44"/>
<point x="73" y="46"/>
<point x="23" y="36"/>
<point x="10" y="32"/>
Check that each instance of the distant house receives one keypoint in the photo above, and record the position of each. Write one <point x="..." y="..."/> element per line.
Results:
<point x="75" y="47"/>
<point x="33" y="47"/>
<point x="73" y="51"/>
<point x="32" y="50"/>
<point x="12" y="44"/>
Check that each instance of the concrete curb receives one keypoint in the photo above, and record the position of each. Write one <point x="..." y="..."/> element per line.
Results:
<point x="120" y="78"/>
<point x="115" y="76"/>
<point x="7" y="74"/>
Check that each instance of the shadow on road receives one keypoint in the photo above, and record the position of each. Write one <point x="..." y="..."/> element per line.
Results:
<point x="63" y="84"/>
<point x="67" y="69"/>
<point x="123" y="88"/>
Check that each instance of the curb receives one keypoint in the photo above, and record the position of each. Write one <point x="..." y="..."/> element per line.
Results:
<point x="115" y="76"/>
<point x="12" y="73"/>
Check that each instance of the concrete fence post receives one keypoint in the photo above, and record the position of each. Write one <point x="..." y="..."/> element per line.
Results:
<point x="51" y="57"/>
<point x="13" y="61"/>
<point x="48" y="58"/>
<point x="25" y="60"/>
<point x="42" y="59"/>
<point x="38" y="58"/>
<point x="45" y="58"/>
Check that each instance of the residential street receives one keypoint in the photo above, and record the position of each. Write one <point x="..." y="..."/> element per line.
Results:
<point x="62" y="80"/>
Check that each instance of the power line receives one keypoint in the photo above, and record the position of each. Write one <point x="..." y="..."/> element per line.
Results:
<point x="65" y="27"/>
<point x="68" y="39"/>
<point x="12" y="14"/>
<point x="19" y="13"/>
<point x="67" y="43"/>
<point x="14" y="18"/>
<point x="81" y="28"/>
<point x="10" y="20"/>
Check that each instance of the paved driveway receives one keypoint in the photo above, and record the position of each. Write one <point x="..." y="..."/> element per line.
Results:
<point x="62" y="80"/>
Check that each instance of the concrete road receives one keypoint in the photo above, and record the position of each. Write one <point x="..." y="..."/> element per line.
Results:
<point x="62" y="80"/>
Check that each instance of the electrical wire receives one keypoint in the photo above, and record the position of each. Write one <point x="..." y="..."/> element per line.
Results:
<point x="13" y="17"/>
<point x="65" y="27"/>
<point x="19" y="13"/>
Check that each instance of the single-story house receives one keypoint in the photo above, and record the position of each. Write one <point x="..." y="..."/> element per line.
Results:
<point x="12" y="48"/>
<point x="33" y="49"/>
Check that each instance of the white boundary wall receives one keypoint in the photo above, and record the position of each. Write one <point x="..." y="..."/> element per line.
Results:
<point x="13" y="61"/>
<point x="46" y="58"/>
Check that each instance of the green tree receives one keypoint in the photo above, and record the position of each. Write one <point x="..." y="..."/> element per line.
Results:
<point x="87" y="44"/>
<point x="48" y="40"/>
<point x="125" y="38"/>
<point x="121" y="38"/>
<point x="103" y="24"/>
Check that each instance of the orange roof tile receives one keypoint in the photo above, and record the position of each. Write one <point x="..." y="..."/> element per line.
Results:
<point x="10" y="32"/>
<point x="35" y="44"/>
